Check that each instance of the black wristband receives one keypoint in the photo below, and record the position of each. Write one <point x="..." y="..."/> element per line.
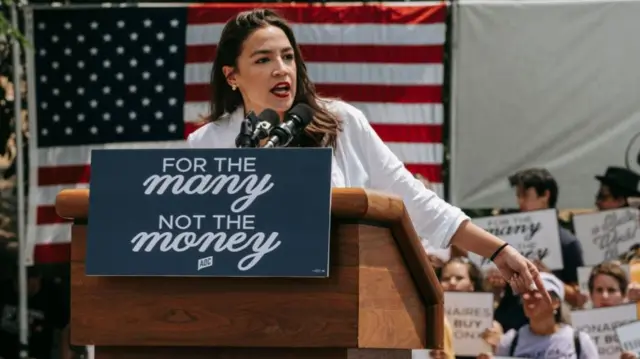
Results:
<point x="495" y="254"/>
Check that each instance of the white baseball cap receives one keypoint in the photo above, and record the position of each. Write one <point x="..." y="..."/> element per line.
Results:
<point x="553" y="284"/>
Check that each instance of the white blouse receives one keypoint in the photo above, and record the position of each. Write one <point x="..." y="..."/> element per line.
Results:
<point x="362" y="160"/>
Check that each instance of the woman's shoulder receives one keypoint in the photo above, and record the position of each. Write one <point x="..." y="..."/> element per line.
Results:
<point x="345" y="111"/>
<point x="200" y="132"/>
<point x="352" y="120"/>
<point x="214" y="134"/>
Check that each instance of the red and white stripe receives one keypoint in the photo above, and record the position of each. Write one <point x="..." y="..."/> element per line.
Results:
<point x="385" y="60"/>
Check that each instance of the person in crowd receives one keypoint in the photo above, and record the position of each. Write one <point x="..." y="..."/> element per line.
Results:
<point x="633" y="252"/>
<point x="546" y="336"/>
<point x="536" y="189"/>
<point x="508" y="312"/>
<point x="258" y="66"/>
<point x="609" y="286"/>
<point x="616" y="185"/>
<point x="459" y="274"/>
<point x="47" y="313"/>
<point x="447" y="352"/>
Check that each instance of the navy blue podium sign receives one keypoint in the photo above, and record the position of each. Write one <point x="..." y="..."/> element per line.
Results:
<point x="210" y="212"/>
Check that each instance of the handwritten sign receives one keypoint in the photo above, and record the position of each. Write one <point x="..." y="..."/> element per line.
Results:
<point x="210" y="212"/>
<point x="535" y="234"/>
<point x="601" y="325"/>
<point x="629" y="337"/>
<point x="469" y="314"/>
<point x="605" y="235"/>
<point x="583" y="280"/>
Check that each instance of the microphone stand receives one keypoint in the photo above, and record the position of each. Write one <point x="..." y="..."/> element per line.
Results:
<point x="245" y="137"/>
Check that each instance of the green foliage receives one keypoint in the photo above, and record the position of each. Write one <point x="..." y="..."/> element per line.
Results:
<point x="5" y="25"/>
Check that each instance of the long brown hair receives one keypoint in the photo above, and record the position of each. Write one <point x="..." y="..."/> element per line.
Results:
<point x="324" y="128"/>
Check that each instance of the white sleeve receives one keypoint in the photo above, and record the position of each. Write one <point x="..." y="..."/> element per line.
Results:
<point x="589" y="349"/>
<point x="190" y="140"/>
<point x="434" y="219"/>
<point x="504" y="347"/>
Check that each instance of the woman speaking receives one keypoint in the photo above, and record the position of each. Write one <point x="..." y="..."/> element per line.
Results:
<point x="259" y="66"/>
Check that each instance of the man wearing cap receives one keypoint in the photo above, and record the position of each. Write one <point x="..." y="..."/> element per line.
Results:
<point x="616" y="185"/>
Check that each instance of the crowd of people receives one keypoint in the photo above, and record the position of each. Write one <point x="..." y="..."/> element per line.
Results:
<point x="522" y="326"/>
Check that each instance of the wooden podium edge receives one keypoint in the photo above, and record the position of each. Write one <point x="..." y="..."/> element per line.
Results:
<point x="348" y="203"/>
<point x="370" y="205"/>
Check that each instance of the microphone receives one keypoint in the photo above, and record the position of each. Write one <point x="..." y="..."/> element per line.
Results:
<point x="245" y="137"/>
<point x="298" y="118"/>
<point x="268" y="120"/>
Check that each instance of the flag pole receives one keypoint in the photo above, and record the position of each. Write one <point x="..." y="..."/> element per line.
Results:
<point x="22" y="239"/>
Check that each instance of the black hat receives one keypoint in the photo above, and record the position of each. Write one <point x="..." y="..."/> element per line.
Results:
<point x="622" y="178"/>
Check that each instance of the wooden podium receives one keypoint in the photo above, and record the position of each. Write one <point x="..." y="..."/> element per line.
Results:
<point x="381" y="300"/>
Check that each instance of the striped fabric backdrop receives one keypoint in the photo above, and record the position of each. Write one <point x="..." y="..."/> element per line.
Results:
<point x="387" y="60"/>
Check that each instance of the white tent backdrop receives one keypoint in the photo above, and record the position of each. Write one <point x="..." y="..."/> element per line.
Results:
<point x="551" y="84"/>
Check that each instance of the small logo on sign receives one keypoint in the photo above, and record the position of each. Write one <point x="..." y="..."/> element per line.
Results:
<point x="205" y="262"/>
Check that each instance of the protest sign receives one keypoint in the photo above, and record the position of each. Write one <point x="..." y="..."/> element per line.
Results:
<point x="601" y="325"/>
<point x="420" y="354"/>
<point x="210" y="212"/>
<point x="469" y="314"/>
<point x="535" y="234"/>
<point x="605" y="235"/>
<point x="629" y="337"/>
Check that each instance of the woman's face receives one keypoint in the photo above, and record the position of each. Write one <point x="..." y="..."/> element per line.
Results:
<point x="535" y="308"/>
<point x="266" y="71"/>
<point x="455" y="278"/>
<point x="606" y="291"/>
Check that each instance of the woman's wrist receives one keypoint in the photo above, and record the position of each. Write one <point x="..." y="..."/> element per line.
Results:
<point x="498" y="251"/>
<point x="475" y="239"/>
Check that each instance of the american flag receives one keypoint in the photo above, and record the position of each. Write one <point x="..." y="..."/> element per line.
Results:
<point x="138" y="78"/>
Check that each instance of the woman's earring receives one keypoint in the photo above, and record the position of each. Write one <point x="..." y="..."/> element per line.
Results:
<point x="233" y="87"/>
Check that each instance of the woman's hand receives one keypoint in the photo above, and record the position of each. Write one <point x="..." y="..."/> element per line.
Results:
<point x="492" y="337"/>
<point x="484" y="356"/>
<point x="437" y="354"/>
<point x="541" y="266"/>
<point x="520" y="273"/>
<point x="628" y="355"/>
<point x="581" y="299"/>
<point x="633" y="292"/>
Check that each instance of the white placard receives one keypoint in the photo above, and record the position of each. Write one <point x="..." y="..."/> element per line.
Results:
<point x="583" y="280"/>
<point x="420" y="354"/>
<point x="469" y="314"/>
<point x="607" y="234"/>
<point x="535" y="234"/>
<point x="629" y="337"/>
<point x="601" y="325"/>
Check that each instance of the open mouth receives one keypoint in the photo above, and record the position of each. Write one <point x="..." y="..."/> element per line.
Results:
<point x="281" y="89"/>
